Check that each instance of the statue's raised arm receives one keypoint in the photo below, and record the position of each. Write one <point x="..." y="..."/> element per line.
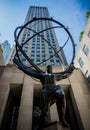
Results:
<point x="28" y="70"/>
<point x="65" y="74"/>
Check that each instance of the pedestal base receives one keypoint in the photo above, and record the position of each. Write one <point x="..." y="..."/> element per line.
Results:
<point x="54" y="126"/>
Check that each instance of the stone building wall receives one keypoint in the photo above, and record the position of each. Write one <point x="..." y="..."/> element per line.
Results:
<point x="16" y="85"/>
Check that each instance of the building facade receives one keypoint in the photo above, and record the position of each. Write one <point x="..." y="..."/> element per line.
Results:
<point x="82" y="59"/>
<point x="20" y="101"/>
<point x="37" y="48"/>
<point x="6" y="46"/>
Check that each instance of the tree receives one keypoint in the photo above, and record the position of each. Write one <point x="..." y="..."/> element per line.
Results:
<point x="80" y="37"/>
<point x="87" y="14"/>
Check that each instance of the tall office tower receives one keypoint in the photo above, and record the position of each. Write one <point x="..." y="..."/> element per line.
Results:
<point x="11" y="55"/>
<point x="37" y="48"/>
<point x="6" y="46"/>
<point x="82" y="59"/>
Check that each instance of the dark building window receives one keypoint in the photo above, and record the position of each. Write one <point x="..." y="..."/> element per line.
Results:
<point x="53" y="41"/>
<point x="32" y="55"/>
<point x="43" y="47"/>
<point x="33" y="51"/>
<point x="23" y="60"/>
<point x="52" y="61"/>
<point x="38" y="47"/>
<point x="33" y="47"/>
<point x="44" y="63"/>
<point x="43" y="58"/>
<point x="43" y="51"/>
<point x="38" y="55"/>
<point x="89" y="34"/>
<point x="10" y="117"/>
<point x="86" y="73"/>
<point x="81" y="63"/>
<point x="32" y="59"/>
<point x="86" y="50"/>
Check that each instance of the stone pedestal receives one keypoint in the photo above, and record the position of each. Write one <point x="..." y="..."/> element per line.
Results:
<point x="55" y="126"/>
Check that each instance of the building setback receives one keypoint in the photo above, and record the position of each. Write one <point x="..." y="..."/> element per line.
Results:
<point x="37" y="48"/>
<point x="7" y="47"/>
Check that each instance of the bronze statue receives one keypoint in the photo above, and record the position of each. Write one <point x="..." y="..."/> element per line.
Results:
<point x="50" y="92"/>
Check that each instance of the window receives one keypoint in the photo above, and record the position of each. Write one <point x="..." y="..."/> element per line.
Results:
<point x="28" y="35"/>
<point x="44" y="63"/>
<point x="43" y="55"/>
<point x="32" y="59"/>
<point x="57" y="60"/>
<point x="43" y="51"/>
<point x="86" y="50"/>
<point x="54" y="46"/>
<point x="43" y="47"/>
<point x="86" y="73"/>
<point x="81" y="63"/>
<point x="38" y="55"/>
<point x="24" y="61"/>
<point x="53" y="41"/>
<point x="38" y="47"/>
<point x="51" y="61"/>
<point x="33" y="39"/>
<point x="89" y="34"/>
<point x="50" y="50"/>
<point x="38" y="60"/>
<point x="33" y="47"/>
<point x="32" y="55"/>
<point x="33" y="51"/>
<point x="58" y="64"/>
<point x="33" y="44"/>
<point x="43" y="58"/>
<point x="42" y="41"/>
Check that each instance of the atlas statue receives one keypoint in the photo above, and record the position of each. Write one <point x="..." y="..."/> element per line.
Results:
<point x="51" y="92"/>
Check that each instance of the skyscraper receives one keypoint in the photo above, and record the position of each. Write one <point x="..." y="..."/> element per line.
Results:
<point x="37" y="48"/>
<point x="6" y="46"/>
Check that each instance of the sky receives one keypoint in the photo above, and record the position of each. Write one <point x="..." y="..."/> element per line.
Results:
<point x="71" y="14"/>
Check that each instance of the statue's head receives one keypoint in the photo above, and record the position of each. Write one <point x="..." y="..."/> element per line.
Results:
<point x="49" y="69"/>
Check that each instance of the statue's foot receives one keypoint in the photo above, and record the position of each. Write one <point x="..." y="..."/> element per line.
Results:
<point x="64" y="123"/>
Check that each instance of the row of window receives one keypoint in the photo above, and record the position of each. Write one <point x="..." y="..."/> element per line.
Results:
<point x="38" y="37"/>
<point x="81" y="63"/>
<point x="44" y="63"/>
<point x="39" y="12"/>
<point x="86" y="52"/>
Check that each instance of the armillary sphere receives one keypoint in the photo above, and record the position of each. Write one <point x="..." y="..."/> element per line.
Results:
<point x="30" y="27"/>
